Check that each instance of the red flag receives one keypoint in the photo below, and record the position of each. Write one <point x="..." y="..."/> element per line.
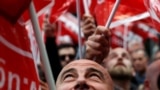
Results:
<point x="116" y="41"/>
<point x="41" y="6"/>
<point x="121" y="33"/>
<point x="145" y="31"/>
<point x="64" y="34"/>
<point x="12" y="9"/>
<point x="17" y="67"/>
<point x="154" y="10"/>
<point x="59" y="8"/>
<point x="126" y="9"/>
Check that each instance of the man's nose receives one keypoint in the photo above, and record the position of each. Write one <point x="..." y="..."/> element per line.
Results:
<point x="81" y="83"/>
<point x="67" y="58"/>
<point x="120" y="58"/>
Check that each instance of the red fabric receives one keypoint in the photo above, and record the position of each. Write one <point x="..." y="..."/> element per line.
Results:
<point x="39" y="5"/>
<point x="153" y="5"/>
<point x="135" y="27"/>
<point x="67" y="31"/>
<point x="41" y="20"/>
<point x="60" y="7"/>
<point x="12" y="9"/>
<point x="126" y="9"/>
<point x="156" y="24"/>
<point x="137" y="5"/>
<point x="17" y="66"/>
<point x="73" y="8"/>
<point x="116" y="41"/>
<point x="102" y="12"/>
<point x="154" y="10"/>
<point x="142" y="32"/>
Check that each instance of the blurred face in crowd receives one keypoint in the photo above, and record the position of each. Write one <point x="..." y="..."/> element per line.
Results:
<point x="84" y="75"/>
<point x="152" y="81"/>
<point x="66" y="54"/>
<point x="119" y="64"/>
<point x="139" y="60"/>
<point x="134" y="45"/>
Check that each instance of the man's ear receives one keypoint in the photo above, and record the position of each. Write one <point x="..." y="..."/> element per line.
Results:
<point x="146" y="85"/>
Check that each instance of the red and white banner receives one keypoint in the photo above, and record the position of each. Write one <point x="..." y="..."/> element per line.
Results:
<point x="17" y="67"/>
<point x="154" y="10"/>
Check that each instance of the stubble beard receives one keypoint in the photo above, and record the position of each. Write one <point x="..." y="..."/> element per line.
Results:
<point x="120" y="73"/>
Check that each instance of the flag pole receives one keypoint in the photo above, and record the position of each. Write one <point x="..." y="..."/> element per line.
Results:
<point x="125" y="35"/>
<point x="79" y="28"/>
<point x="86" y="7"/>
<point x="45" y="60"/>
<point x="112" y="13"/>
<point x="110" y="18"/>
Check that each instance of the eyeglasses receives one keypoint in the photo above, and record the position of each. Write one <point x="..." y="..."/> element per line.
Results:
<point x="62" y="57"/>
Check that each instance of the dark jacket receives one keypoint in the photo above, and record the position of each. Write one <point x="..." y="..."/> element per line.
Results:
<point x="53" y="56"/>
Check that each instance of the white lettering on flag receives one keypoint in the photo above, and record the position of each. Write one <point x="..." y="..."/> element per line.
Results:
<point x="15" y="49"/>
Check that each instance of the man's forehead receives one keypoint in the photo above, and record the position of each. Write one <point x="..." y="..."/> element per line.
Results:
<point x="86" y="66"/>
<point x="119" y="50"/>
<point x="83" y="63"/>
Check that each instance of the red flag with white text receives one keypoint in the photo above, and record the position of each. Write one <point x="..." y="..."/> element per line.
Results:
<point x="17" y="66"/>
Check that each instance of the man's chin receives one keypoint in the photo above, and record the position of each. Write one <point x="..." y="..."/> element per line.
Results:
<point x="120" y="74"/>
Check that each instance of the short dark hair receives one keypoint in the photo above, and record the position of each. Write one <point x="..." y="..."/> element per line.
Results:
<point x="143" y="50"/>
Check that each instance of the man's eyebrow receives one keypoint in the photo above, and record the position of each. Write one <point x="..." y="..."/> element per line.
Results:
<point x="69" y="70"/>
<point x="97" y="71"/>
<point x="112" y="53"/>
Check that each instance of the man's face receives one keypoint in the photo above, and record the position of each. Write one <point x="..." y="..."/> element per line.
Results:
<point x="119" y="64"/>
<point x="135" y="46"/>
<point x="84" y="75"/>
<point x="139" y="61"/>
<point x="66" y="55"/>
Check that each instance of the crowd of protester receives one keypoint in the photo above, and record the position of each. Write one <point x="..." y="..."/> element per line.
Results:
<point x="116" y="68"/>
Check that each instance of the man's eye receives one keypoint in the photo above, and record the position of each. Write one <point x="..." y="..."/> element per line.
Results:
<point x="94" y="76"/>
<point x="112" y="56"/>
<point x="69" y="77"/>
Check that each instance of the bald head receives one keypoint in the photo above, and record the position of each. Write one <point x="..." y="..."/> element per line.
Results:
<point x="152" y="74"/>
<point x="84" y="74"/>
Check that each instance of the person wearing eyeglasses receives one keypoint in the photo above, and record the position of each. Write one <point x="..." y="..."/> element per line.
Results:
<point x="67" y="53"/>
